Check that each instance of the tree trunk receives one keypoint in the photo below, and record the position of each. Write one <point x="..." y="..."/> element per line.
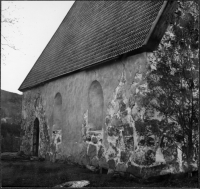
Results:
<point x="190" y="146"/>
<point x="189" y="152"/>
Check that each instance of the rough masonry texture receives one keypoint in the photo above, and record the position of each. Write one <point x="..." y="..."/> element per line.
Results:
<point x="91" y="116"/>
<point x="71" y="133"/>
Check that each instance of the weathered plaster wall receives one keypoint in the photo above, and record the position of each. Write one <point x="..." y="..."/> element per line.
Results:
<point x="118" y="145"/>
<point x="95" y="106"/>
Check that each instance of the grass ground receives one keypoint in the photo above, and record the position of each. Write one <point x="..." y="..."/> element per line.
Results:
<point x="26" y="173"/>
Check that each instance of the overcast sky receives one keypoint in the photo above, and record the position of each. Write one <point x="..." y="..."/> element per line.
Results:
<point x="36" y="23"/>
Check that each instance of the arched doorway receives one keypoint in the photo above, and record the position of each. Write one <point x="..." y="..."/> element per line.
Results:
<point x="95" y="112"/>
<point x="36" y="137"/>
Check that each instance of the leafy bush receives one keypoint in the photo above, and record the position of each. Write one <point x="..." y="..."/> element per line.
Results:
<point x="10" y="137"/>
<point x="11" y="129"/>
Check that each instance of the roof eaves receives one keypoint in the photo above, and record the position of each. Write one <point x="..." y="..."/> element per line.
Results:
<point x="129" y="53"/>
<point x="26" y="88"/>
<point x="159" y="26"/>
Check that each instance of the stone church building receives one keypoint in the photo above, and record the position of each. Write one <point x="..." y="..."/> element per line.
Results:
<point x="80" y="99"/>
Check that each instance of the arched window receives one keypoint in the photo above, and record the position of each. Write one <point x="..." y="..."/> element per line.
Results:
<point x="36" y="137"/>
<point x="95" y="100"/>
<point x="57" y="112"/>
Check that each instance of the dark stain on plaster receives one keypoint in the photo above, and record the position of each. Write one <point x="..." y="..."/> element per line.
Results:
<point x="122" y="106"/>
<point x="124" y="156"/>
<point x="88" y="138"/>
<point x="94" y="139"/>
<point x="92" y="150"/>
<point x="111" y="163"/>
<point x="101" y="151"/>
<point x="113" y="131"/>
<point x="128" y="131"/>
<point x="129" y="143"/>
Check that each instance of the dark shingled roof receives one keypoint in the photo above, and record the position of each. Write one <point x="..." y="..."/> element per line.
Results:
<point x="93" y="32"/>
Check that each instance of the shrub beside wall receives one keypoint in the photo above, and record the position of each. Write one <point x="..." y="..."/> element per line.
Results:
<point x="10" y="137"/>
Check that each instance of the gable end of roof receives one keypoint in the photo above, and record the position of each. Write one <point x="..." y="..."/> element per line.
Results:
<point x="96" y="32"/>
<point x="159" y="26"/>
